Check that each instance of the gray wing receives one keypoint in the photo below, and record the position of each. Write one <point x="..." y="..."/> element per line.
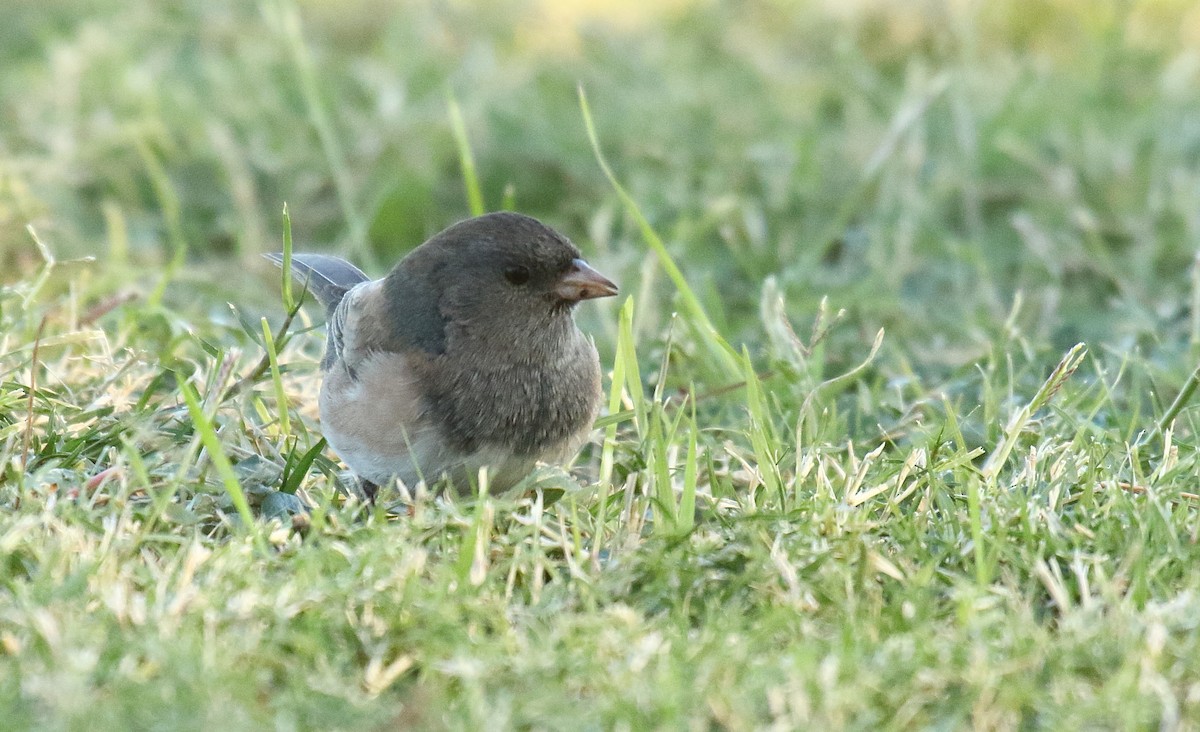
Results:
<point x="356" y="328"/>
<point x="327" y="278"/>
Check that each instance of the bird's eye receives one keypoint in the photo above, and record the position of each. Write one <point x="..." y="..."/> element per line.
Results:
<point x="517" y="275"/>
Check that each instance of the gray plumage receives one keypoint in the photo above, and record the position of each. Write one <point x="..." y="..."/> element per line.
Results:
<point x="466" y="355"/>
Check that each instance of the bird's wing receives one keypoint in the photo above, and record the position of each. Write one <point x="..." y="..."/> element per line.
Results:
<point x="354" y="327"/>
<point x="372" y="412"/>
<point x="391" y="315"/>
<point x="327" y="278"/>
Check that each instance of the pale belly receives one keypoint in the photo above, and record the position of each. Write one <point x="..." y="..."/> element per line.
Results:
<point x="375" y="425"/>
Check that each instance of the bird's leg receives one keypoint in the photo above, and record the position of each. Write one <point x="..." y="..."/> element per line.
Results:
<point x="369" y="489"/>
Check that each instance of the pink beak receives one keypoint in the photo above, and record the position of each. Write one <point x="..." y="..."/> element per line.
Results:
<point x="581" y="282"/>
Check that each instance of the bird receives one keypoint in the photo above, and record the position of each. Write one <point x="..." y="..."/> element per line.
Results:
<point x="465" y="356"/>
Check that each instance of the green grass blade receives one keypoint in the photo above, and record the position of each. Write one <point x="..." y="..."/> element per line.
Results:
<point x="48" y="263"/>
<point x="761" y="432"/>
<point x="630" y="371"/>
<point x="716" y="345"/>
<point x="685" y="517"/>
<point x="288" y="17"/>
<point x="465" y="157"/>
<point x="216" y="453"/>
<point x="289" y="301"/>
<point x="281" y="401"/>
<point x="663" y="495"/>
<point x="615" y="389"/>
<point x="296" y="475"/>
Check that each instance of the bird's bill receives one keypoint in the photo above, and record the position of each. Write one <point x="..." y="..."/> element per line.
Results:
<point x="581" y="282"/>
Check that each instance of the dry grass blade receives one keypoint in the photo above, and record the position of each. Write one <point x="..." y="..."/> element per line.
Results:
<point x="27" y="440"/>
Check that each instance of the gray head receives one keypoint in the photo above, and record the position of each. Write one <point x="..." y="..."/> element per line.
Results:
<point x="499" y="273"/>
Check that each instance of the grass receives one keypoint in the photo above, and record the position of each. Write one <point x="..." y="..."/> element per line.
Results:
<point x="899" y="429"/>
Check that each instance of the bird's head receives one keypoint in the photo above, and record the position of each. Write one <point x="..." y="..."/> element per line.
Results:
<point x="510" y="266"/>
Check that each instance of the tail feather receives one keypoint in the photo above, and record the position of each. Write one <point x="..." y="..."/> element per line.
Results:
<point x="327" y="278"/>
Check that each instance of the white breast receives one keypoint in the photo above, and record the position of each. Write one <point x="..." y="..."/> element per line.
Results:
<point x="375" y="424"/>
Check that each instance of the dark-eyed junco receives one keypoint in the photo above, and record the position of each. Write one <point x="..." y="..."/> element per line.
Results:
<point x="465" y="356"/>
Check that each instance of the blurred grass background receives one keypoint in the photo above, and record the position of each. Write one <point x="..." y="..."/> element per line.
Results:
<point x="989" y="183"/>
<point x="920" y="161"/>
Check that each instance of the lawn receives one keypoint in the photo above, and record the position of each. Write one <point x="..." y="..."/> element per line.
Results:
<point x="899" y="428"/>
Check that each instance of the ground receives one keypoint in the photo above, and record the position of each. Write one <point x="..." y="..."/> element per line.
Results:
<point x="898" y="428"/>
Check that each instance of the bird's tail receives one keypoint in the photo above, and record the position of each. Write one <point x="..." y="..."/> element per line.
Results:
<point x="328" y="278"/>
